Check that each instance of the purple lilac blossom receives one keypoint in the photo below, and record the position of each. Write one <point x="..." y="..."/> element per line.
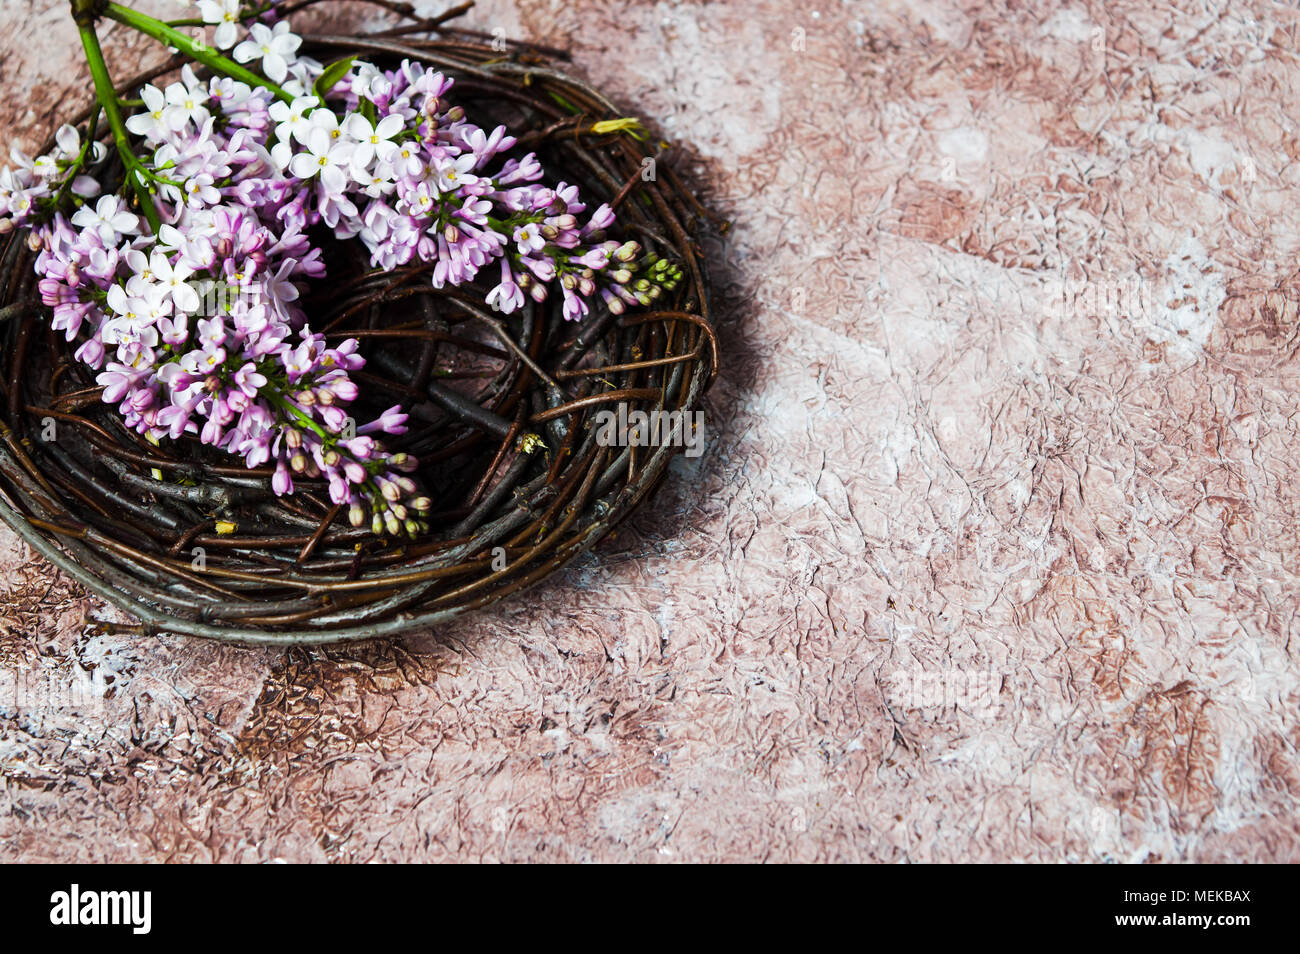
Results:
<point x="197" y="329"/>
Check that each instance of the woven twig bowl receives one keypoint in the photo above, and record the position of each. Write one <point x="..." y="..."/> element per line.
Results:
<point x="503" y="411"/>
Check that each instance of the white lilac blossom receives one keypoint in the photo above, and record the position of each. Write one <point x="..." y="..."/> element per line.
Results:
<point x="226" y="14"/>
<point x="275" y="47"/>
<point x="190" y="314"/>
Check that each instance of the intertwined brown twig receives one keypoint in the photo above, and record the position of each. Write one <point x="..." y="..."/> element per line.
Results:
<point x="502" y="411"/>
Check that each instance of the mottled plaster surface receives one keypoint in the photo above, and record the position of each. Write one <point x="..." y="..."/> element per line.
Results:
<point x="994" y="553"/>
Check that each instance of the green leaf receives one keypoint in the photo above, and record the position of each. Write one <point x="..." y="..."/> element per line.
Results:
<point x="563" y="102"/>
<point x="330" y="78"/>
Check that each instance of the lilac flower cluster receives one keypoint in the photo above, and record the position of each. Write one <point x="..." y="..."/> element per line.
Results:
<point x="30" y="186"/>
<point x="194" y="324"/>
<point x="251" y="377"/>
<point x="408" y="174"/>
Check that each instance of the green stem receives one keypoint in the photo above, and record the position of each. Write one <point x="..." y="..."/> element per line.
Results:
<point x="196" y="50"/>
<point x="106" y="93"/>
<point x="302" y="419"/>
<point x="79" y="164"/>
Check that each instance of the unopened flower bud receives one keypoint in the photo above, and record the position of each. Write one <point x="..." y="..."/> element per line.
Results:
<point x="566" y="222"/>
<point x="621" y="275"/>
<point x="356" y="515"/>
<point x="451" y="233"/>
<point x="35" y="242"/>
<point x="293" y="438"/>
<point x="298" y="463"/>
<point x="305" y="398"/>
<point x="422" y="504"/>
<point x="391" y="523"/>
<point x="455" y="114"/>
<point x="377" y="525"/>
<point x="627" y="251"/>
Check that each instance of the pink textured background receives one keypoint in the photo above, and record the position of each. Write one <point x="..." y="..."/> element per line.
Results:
<point x="965" y="576"/>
